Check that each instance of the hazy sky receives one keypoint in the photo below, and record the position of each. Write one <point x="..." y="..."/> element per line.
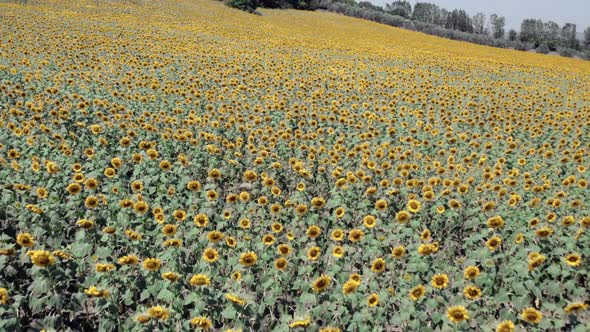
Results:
<point x="574" y="11"/>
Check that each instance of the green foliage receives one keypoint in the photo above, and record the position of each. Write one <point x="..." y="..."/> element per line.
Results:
<point x="245" y="5"/>
<point x="543" y="49"/>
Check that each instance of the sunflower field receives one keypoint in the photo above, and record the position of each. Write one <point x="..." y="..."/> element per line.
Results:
<point x="180" y="165"/>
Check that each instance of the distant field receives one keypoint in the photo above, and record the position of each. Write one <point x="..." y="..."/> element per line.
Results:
<point x="179" y="165"/>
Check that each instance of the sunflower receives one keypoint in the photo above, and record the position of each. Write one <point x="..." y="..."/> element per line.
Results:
<point x="425" y="235"/>
<point x="158" y="312"/>
<point x="339" y="212"/>
<point x="493" y="243"/>
<point x="414" y="206"/>
<point x="314" y="253"/>
<point x="338" y="252"/>
<point x="457" y="314"/>
<point x="128" y="260"/>
<point x="337" y="234"/>
<point x="573" y="259"/>
<point x="350" y="286"/>
<point x="427" y="249"/>
<point x="235" y="299"/>
<point x="201" y="220"/>
<point x="202" y="323"/>
<point x="402" y="217"/>
<point x="110" y="172"/>
<point x="313" y="231"/>
<point x="281" y="264"/>
<point x="495" y="222"/>
<point x="104" y="267"/>
<point x="152" y="264"/>
<point x="373" y="300"/>
<point x="575" y="308"/>
<point x="381" y="205"/>
<point x="505" y="326"/>
<point x="440" y="281"/>
<point x="85" y="223"/>
<point x="531" y="315"/>
<point x="248" y="259"/>
<point x="277" y="227"/>
<point x="200" y="280"/>
<point x="300" y="322"/>
<point x="169" y="230"/>
<point x="179" y="215"/>
<point x="544" y="232"/>
<point x="472" y="292"/>
<point x="318" y="202"/>
<point x="330" y="329"/>
<point x="378" y="265"/>
<point x="369" y="221"/>
<point x="471" y="272"/>
<point x="193" y="185"/>
<point x="210" y="255"/>
<point x="91" y="202"/>
<point x="171" y="276"/>
<point x="398" y="252"/>
<point x="214" y="236"/>
<point x="141" y="207"/>
<point x="4" y="297"/>
<point x="356" y="235"/>
<point x="41" y="258"/>
<point x="25" y="240"/>
<point x="321" y="283"/>
<point x="417" y="292"/>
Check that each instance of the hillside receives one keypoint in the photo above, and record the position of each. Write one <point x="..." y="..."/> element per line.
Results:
<point x="172" y="165"/>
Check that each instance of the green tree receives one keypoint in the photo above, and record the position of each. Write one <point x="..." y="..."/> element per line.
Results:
<point x="399" y="8"/>
<point x="587" y="37"/>
<point x="245" y="5"/>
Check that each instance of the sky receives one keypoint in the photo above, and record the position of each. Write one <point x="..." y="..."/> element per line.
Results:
<point x="573" y="11"/>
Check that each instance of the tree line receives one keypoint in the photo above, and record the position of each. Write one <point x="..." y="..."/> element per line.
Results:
<point x="456" y="24"/>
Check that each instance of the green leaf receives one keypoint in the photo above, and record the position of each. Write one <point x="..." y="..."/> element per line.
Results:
<point x="229" y="312"/>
